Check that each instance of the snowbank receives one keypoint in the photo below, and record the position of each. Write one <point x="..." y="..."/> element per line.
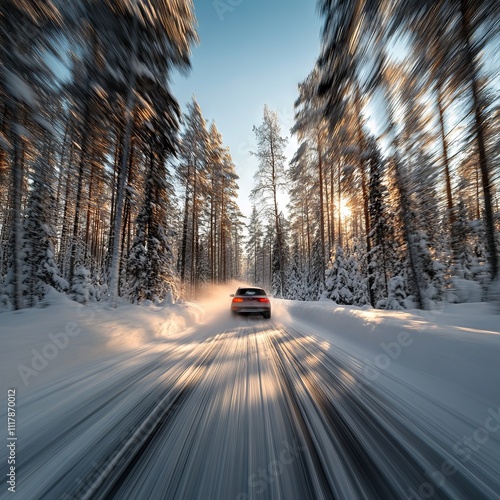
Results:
<point x="450" y="355"/>
<point x="42" y="345"/>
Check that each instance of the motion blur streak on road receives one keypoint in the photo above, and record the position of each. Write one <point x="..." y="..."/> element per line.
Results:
<point x="239" y="408"/>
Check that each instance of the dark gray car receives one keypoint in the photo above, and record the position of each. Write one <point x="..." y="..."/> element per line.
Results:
<point x="251" y="300"/>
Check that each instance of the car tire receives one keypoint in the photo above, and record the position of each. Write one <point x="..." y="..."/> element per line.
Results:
<point x="267" y="315"/>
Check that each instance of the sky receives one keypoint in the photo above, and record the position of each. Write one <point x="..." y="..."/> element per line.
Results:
<point x="251" y="53"/>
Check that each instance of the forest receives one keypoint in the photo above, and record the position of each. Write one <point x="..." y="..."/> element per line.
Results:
<point x="109" y="192"/>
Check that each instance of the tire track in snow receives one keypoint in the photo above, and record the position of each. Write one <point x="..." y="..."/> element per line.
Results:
<point x="107" y="475"/>
<point x="234" y="437"/>
<point x="371" y="450"/>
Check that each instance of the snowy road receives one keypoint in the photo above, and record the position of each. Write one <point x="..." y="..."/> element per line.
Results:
<point x="242" y="408"/>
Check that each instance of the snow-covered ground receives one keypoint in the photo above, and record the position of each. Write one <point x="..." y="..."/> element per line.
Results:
<point x="440" y="368"/>
<point x="450" y="354"/>
<point x="41" y="346"/>
<point x="427" y="382"/>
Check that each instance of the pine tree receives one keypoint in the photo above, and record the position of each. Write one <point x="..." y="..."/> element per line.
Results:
<point x="397" y="295"/>
<point x="296" y="277"/>
<point x="339" y="281"/>
<point x="280" y="253"/>
<point x="138" y="265"/>
<point x="357" y="274"/>
<point x="382" y="255"/>
<point x="24" y="30"/>
<point x="158" y="43"/>
<point x="192" y="173"/>
<point x="81" y="286"/>
<point x="316" y="271"/>
<point x="39" y="268"/>
<point x="163" y="279"/>
<point x="254" y="248"/>
<point x="270" y="180"/>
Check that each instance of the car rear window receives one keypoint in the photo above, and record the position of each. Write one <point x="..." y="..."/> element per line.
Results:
<point x="250" y="291"/>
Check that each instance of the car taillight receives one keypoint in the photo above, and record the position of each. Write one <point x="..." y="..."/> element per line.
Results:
<point x="263" y="300"/>
<point x="237" y="299"/>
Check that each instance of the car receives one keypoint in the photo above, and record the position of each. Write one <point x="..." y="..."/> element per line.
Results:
<point x="251" y="300"/>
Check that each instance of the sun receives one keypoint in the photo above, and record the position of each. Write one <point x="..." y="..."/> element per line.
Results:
<point x="345" y="211"/>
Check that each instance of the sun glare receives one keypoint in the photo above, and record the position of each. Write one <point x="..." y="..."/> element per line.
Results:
<point x="345" y="211"/>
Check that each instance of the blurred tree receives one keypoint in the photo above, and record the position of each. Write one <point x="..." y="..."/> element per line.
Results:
<point x="25" y="30"/>
<point x="270" y="180"/>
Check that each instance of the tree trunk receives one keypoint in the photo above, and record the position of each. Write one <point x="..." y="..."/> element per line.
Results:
<point x="16" y="229"/>
<point x="364" y="188"/>
<point x="89" y="210"/>
<point x="328" y="220"/>
<point x="447" y="176"/>
<point x="212" y="228"/>
<point x="185" y="223"/>
<point x="479" y="132"/>
<point x="193" y="233"/>
<point x="66" y="213"/>
<point x="321" y="204"/>
<point x="115" y="256"/>
<point x="129" y="117"/>
<point x="81" y="170"/>
<point x="408" y="235"/>
<point x="339" y="215"/>
<point x="276" y="217"/>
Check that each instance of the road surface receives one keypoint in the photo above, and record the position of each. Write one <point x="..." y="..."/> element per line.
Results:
<point x="246" y="409"/>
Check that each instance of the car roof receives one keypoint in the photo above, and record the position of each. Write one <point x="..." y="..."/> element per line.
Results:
<point x="245" y="289"/>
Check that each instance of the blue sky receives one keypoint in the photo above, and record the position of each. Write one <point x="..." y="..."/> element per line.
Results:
<point x="251" y="53"/>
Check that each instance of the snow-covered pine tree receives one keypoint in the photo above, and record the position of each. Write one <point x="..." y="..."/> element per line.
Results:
<point x="253" y="247"/>
<point x="296" y="276"/>
<point x="81" y="286"/>
<point x="138" y="265"/>
<point x="480" y="270"/>
<point x="150" y="266"/>
<point x="237" y="239"/>
<point x="39" y="267"/>
<point x="192" y="174"/>
<point x="25" y="28"/>
<point x="356" y="264"/>
<point x="382" y="255"/>
<point x="281" y="258"/>
<point x="465" y="254"/>
<point x="148" y="42"/>
<point x="338" y="281"/>
<point x="397" y="295"/>
<point x="316" y="272"/>
<point x="229" y="215"/>
<point x="430" y="241"/>
<point x="164" y="286"/>
<point x="266" y="259"/>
